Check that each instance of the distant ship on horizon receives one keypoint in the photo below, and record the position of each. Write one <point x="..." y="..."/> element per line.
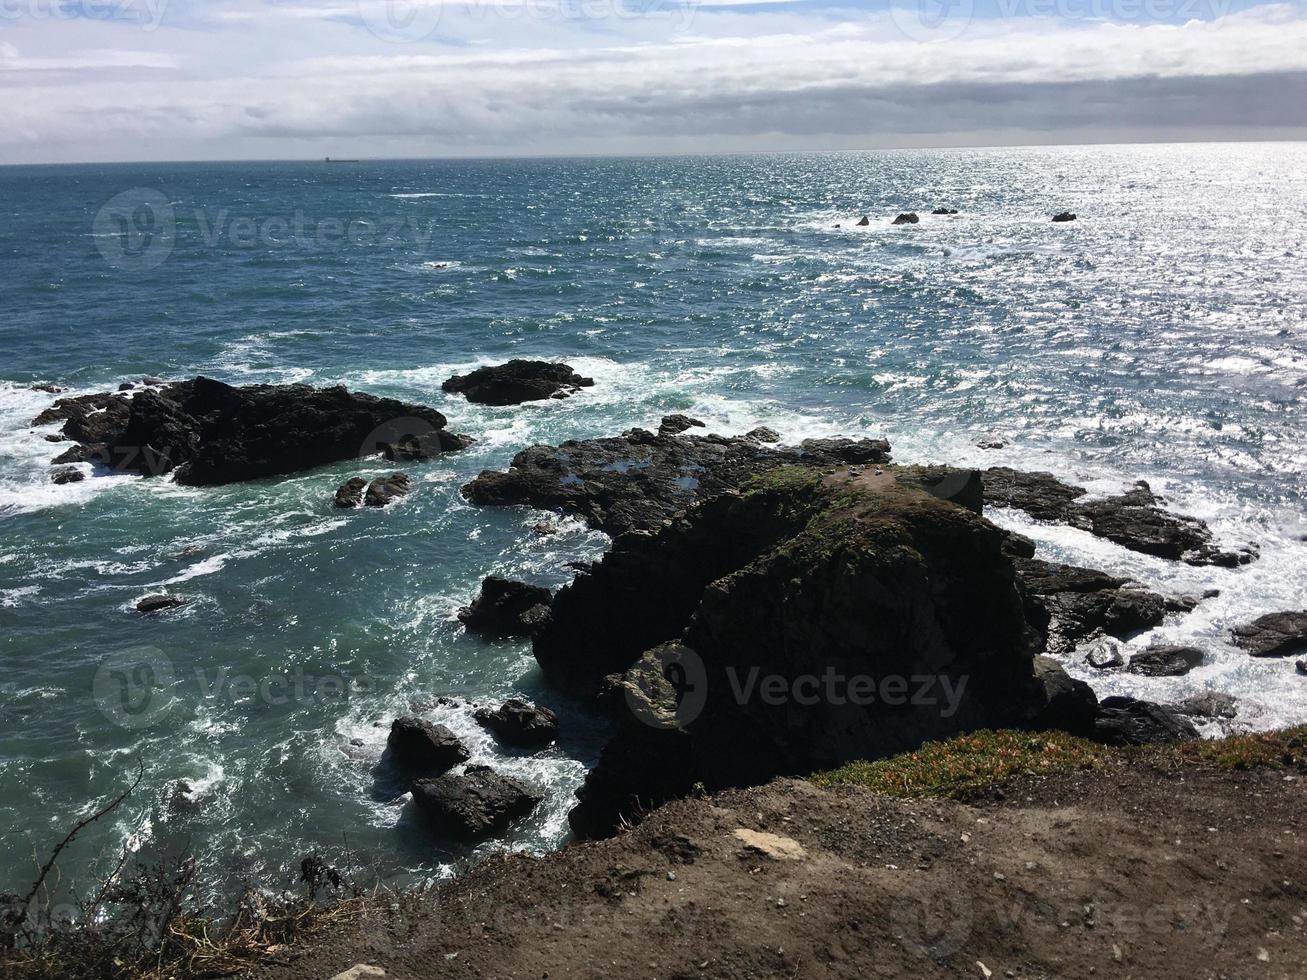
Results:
<point x="329" y="160"/>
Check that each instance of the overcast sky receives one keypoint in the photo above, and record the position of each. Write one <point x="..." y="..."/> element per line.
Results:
<point x="84" y="80"/>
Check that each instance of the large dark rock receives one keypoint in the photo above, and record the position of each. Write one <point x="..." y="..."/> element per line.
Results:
<point x="516" y="382"/>
<point x="417" y="744"/>
<point x="68" y="474"/>
<point x="473" y="805"/>
<point x="506" y="608"/>
<point x="1273" y="635"/>
<point x="1069" y="604"/>
<point x="207" y="432"/>
<point x="1129" y="721"/>
<point x="518" y="723"/>
<point x="635" y="481"/>
<point x="1165" y="661"/>
<point x="1134" y="519"/>
<point x="387" y="489"/>
<point x="727" y="642"/>
<point x="906" y="219"/>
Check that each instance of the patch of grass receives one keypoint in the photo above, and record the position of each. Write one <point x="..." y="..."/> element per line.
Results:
<point x="984" y="759"/>
<point x="969" y="762"/>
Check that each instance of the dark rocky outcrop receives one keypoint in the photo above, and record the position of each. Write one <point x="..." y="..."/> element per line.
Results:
<point x="417" y="744"/>
<point x="1165" y="661"/>
<point x="350" y="493"/>
<point x="635" y="481"/>
<point x="1130" y="721"/>
<point x="49" y="389"/>
<point x="864" y="221"/>
<point x="1069" y="604"/>
<point x="1064" y="216"/>
<point x="1134" y="520"/>
<point x="519" y="723"/>
<point x="68" y="474"/>
<point x="672" y="424"/>
<point x="1273" y="635"/>
<point x="909" y="218"/>
<point x="206" y="432"/>
<point x="517" y="381"/>
<point x="475" y="804"/>
<point x="387" y="489"/>
<point x="505" y="608"/>
<point x="801" y="580"/>
<point x="159" y="602"/>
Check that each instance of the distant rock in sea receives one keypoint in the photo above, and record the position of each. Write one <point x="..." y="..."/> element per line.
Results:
<point x="1064" y="216"/>
<point x="909" y="218"/>
<point x="517" y="381"/>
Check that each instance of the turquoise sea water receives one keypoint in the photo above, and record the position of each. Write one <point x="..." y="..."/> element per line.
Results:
<point x="1160" y="336"/>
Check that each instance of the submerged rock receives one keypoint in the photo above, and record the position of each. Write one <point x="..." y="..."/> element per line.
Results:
<point x="1130" y="721"/>
<point x="506" y="608"/>
<point x="518" y="723"/>
<point x="517" y="381"/>
<point x="206" y="432"/>
<point x="417" y="744"/>
<point x="1273" y="635"/>
<point x="906" y="219"/>
<point x="635" y="481"/>
<point x="473" y="805"/>
<point x="672" y="424"/>
<point x="1165" y="661"/>
<point x="159" y="602"/>
<point x="945" y="211"/>
<point x="386" y="490"/>
<point x="350" y="493"/>
<point x="1134" y="520"/>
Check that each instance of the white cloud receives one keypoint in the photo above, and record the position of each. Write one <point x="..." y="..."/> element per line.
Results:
<point x="240" y="78"/>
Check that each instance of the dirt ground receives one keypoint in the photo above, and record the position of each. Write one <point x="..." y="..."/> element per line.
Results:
<point x="1128" y="874"/>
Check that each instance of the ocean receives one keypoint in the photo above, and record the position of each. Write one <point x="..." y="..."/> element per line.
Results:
<point x="1160" y="336"/>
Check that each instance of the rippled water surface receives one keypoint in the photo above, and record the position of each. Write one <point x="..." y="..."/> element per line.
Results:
<point x="1160" y="336"/>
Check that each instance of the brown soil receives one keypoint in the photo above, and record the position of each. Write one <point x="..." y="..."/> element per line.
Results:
<point x="1132" y="873"/>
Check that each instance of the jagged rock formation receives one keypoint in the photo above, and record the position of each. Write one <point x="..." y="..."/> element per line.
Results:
<point x="517" y="381"/>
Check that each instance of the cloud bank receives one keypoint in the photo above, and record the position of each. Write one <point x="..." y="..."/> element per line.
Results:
<point x="163" y="79"/>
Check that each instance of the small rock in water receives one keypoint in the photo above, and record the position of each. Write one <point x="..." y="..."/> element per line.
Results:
<point x="991" y="444"/>
<point x="863" y="221"/>
<point x="418" y="744"/>
<point x="506" y="608"/>
<point x="517" y="381"/>
<point x="519" y="723"/>
<point x="1301" y="666"/>
<point x="1064" y="216"/>
<point x="350" y="493"/>
<point x="158" y="602"/>
<point x="945" y="211"/>
<point x="672" y="424"/>
<point x="1273" y="635"/>
<point x="1165" y="661"/>
<point x="910" y="218"/>
<point x="1209" y="704"/>
<point x="67" y="475"/>
<point x="387" y="489"/>
<point x="479" y="803"/>
<point x="1104" y="655"/>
